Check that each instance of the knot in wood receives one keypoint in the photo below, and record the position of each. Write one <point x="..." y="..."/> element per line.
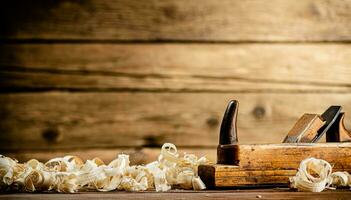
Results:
<point x="51" y="135"/>
<point x="212" y="121"/>
<point x="259" y="112"/>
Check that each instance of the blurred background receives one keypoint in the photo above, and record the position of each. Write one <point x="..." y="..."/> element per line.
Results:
<point x="98" y="77"/>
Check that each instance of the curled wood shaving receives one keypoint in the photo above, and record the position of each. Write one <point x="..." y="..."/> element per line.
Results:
<point x="70" y="174"/>
<point x="315" y="175"/>
<point x="341" y="179"/>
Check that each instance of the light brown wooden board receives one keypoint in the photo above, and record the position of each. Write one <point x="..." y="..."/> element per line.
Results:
<point x="64" y="120"/>
<point x="183" y="194"/>
<point x="273" y="164"/>
<point x="137" y="155"/>
<point x="177" y="67"/>
<point x="199" y="20"/>
<point x="176" y="194"/>
<point x="305" y="129"/>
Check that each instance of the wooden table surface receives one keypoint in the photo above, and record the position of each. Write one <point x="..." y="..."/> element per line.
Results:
<point x="183" y="195"/>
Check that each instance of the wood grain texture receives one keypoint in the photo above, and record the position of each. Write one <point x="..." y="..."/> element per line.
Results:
<point x="137" y="155"/>
<point x="177" y="67"/>
<point x="305" y="129"/>
<point x="273" y="164"/>
<point x="199" y="20"/>
<point x="63" y="120"/>
<point x="289" y="156"/>
<point x="230" y="176"/>
<point x="283" y="194"/>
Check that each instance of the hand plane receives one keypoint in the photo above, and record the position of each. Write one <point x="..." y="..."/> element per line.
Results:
<point x="272" y="164"/>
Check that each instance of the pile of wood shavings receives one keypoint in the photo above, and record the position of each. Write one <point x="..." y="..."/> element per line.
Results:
<point x="69" y="174"/>
<point x="315" y="175"/>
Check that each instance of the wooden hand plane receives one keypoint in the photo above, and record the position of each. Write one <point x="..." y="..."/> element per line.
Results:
<point x="272" y="164"/>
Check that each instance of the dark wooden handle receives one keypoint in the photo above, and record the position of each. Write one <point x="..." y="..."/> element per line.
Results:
<point x="228" y="138"/>
<point x="228" y="132"/>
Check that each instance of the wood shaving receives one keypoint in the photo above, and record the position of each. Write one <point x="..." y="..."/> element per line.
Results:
<point x="70" y="174"/>
<point x="341" y="179"/>
<point x="315" y="175"/>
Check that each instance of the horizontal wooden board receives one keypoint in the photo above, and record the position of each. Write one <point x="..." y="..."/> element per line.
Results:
<point x="277" y="193"/>
<point x="42" y="81"/>
<point x="289" y="156"/>
<point x="199" y="20"/>
<point x="64" y="120"/>
<point x="229" y="176"/>
<point x="137" y="155"/>
<point x="177" y="67"/>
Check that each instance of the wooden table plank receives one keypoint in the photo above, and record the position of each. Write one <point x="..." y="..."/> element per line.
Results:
<point x="183" y="195"/>
<point x="137" y="155"/>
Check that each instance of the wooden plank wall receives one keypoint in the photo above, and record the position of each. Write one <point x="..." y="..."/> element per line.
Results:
<point x="99" y="77"/>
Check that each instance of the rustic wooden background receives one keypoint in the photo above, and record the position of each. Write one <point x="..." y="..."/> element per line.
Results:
<point x="99" y="77"/>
